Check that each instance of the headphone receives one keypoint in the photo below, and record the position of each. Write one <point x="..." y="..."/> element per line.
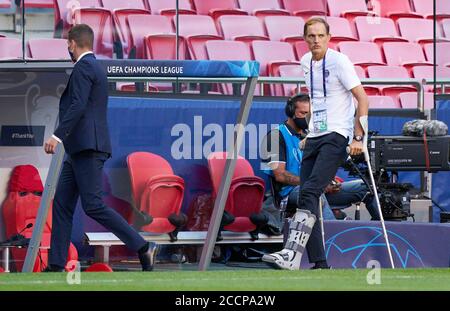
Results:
<point x="289" y="109"/>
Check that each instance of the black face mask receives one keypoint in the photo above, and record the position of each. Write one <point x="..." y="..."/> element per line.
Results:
<point x="301" y="123"/>
<point x="72" y="57"/>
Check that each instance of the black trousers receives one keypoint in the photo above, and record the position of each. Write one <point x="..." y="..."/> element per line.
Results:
<point x="322" y="157"/>
<point x="81" y="176"/>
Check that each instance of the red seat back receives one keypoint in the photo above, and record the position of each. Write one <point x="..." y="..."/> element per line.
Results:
<point x="243" y="28"/>
<point x="306" y="8"/>
<point x="382" y="102"/>
<point x="156" y="190"/>
<point x="246" y="190"/>
<point x="64" y="14"/>
<point x="167" y="8"/>
<point x="217" y="8"/>
<point x="394" y="9"/>
<point x="284" y="28"/>
<point x="101" y="22"/>
<point x="21" y="207"/>
<point x="121" y="4"/>
<point x="10" y="48"/>
<point x="48" y="49"/>
<point x="262" y="8"/>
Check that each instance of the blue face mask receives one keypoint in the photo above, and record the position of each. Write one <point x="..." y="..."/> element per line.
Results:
<point x="72" y="57"/>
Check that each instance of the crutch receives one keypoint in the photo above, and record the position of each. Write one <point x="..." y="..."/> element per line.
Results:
<point x="322" y="229"/>
<point x="365" y="125"/>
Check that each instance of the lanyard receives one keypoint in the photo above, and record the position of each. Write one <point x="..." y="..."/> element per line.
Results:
<point x="323" y="76"/>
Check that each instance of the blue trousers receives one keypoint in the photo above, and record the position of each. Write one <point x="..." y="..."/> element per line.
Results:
<point x="81" y="176"/>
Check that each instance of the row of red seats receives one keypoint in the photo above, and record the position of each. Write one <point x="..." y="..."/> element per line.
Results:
<point x="158" y="192"/>
<point x="387" y="8"/>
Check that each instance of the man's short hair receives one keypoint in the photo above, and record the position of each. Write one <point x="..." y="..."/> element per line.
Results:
<point x="83" y="35"/>
<point x="289" y="109"/>
<point x="314" y="20"/>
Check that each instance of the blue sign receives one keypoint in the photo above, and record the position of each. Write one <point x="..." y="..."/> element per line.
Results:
<point x="185" y="68"/>
<point x="20" y="135"/>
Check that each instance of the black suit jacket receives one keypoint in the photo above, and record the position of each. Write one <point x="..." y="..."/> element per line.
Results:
<point x="83" y="109"/>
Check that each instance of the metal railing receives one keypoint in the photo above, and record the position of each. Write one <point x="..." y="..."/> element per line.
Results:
<point x="419" y="84"/>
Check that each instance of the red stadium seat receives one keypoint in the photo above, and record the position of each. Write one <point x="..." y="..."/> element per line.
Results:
<point x="20" y="208"/>
<point x="284" y="28"/>
<point x="48" y="49"/>
<point x="362" y="53"/>
<point x="5" y="4"/>
<point x="409" y="100"/>
<point x="197" y="29"/>
<point x="122" y="34"/>
<point x="301" y="48"/>
<point x="242" y="28"/>
<point x="417" y="30"/>
<point x="163" y="47"/>
<point x="395" y="72"/>
<point x="292" y="71"/>
<point x="167" y="8"/>
<point x="64" y="14"/>
<point x="382" y="102"/>
<point x="425" y="72"/>
<point x="442" y="53"/>
<point x="159" y="27"/>
<point x="340" y="31"/>
<point x="306" y="8"/>
<point x="271" y="55"/>
<point x="124" y="4"/>
<point x="156" y="191"/>
<point x="99" y="267"/>
<point x="446" y="27"/>
<point x="217" y="8"/>
<point x="262" y="8"/>
<point x="38" y="4"/>
<point x="228" y="50"/>
<point x="246" y="192"/>
<point x="425" y="8"/>
<point x="10" y="48"/>
<point x="101" y="21"/>
<point x="404" y="54"/>
<point x="370" y="90"/>
<point x="383" y="30"/>
<point x="394" y="9"/>
<point x="348" y="8"/>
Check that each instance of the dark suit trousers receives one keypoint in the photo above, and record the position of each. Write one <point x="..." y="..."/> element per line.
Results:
<point x="321" y="159"/>
<point x="81" y="176"/>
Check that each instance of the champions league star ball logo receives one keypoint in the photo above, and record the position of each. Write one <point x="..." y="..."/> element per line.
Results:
<point x="362" y="244"/>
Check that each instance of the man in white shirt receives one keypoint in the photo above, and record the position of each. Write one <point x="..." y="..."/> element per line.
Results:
<point x="332" y="83"/>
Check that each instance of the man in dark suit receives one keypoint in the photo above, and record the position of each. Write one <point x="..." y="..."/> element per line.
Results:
<point x="83" y="130"/>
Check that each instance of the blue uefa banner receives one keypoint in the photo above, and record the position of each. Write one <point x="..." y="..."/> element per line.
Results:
<point x="187" y="68"/>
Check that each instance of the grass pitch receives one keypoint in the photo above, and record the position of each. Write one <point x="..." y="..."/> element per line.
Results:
<point x="236" y="280"/>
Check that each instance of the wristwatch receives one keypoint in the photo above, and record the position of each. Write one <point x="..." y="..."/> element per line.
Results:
<point x="358" y="138"/>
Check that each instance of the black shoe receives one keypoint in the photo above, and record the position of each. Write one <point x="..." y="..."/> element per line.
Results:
<point x="321" y="265"/>
<point x="147" y="258"/>
<point x="53" y="269"/>
<point x="316" y="267"/>
<point x="340" y="215"/>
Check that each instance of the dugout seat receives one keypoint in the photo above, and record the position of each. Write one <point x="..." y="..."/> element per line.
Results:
<point x="363" y="54"/>
<point x="245" y="196"/>
<point x="409" y="100"/>
<point x="20" y="208"/>
<point x="417" y="30"/>
<point x="405" y="54"/>
<point x="157" y="192"/>
<point x="5" y="4"/>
